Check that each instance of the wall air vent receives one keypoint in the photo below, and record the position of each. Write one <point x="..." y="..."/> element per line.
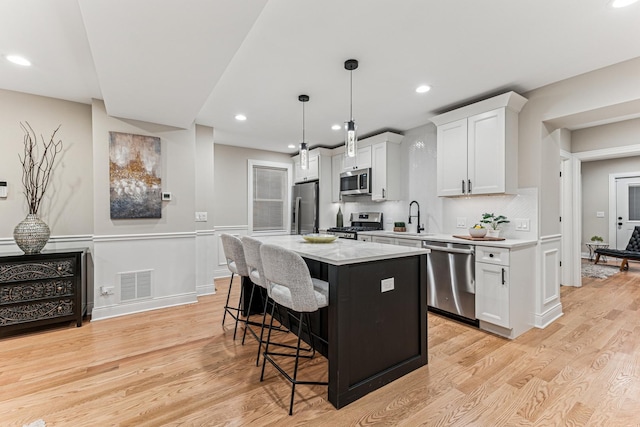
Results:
<point x="135" y="285"/>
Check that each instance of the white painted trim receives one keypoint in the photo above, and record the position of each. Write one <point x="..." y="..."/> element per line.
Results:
<point x="208" y="289"/>
<point x="613" y="207"/>
<point x="608" y="153"/>
<point x="150" y="236"/>
<point x="251" y="165"/>
<point x="101" y="313"/>
<point x="545" y="319"/>
<point x="205" y="233"/>
<point x="550" y="238"/>
<point x="223" y="228"/>
<point x="55" y="239"/>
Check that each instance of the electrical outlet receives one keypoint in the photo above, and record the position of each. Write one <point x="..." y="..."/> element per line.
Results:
<point x="106" y="290"/>
<point x="461" y="222"/>
<point x="387" y="285"/>
<point x="522" y="224"/>
<point x="599" y="214"/>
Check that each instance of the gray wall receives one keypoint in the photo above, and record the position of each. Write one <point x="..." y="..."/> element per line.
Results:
<point x="230" y="181"/>
<point x="68" y="204"/>
<point x="547" y="109"/>
<point x="606" y="136"/>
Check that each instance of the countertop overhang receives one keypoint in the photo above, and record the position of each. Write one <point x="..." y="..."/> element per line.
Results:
<point x="341" y="251"/>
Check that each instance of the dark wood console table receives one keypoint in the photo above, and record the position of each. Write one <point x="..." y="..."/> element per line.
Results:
<point x="42" y="289"/>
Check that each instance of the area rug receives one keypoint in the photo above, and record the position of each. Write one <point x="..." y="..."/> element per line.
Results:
<point x="36" y="423"/>
<point x="597" y="271"/>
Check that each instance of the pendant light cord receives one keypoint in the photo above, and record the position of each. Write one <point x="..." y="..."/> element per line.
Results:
<point x="351" y="94"/>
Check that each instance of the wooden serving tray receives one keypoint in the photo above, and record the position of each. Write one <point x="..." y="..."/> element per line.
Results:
<point x="480" y="238"/>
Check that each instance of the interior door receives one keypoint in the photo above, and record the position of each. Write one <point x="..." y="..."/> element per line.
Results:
<point x="627" y="209"/>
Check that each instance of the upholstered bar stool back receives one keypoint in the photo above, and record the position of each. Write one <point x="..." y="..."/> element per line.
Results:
<point x="290" y="285"/>
<point x="234" y="253"/>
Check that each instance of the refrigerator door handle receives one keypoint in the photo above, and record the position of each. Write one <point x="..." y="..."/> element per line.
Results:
<point x="315" y="211"/>
<point x="296" y="215"/>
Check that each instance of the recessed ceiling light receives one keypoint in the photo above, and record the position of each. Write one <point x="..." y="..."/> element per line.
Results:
<point x="621" y="3"/>
<point x="423" y="89"/>
<point x="291" y="146"/>
<point x="241" y="117"/>
<point x="18" y="60"/>
<point x="336" y="127"/>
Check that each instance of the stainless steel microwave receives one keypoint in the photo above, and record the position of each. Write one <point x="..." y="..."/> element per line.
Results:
<point x="355" y="182"/>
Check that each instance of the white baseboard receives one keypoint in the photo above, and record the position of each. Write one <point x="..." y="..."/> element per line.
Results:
<point x="101" y="313"/>
<point x="208" y="289"/>
<point x="543" y="320"/>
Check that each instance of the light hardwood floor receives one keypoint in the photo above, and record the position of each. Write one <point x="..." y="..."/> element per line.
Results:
<point x="179" y="366"/>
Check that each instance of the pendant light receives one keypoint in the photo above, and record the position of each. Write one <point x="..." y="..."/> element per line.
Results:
<point x="350" y="127"/>
<point x="304" y="149"/>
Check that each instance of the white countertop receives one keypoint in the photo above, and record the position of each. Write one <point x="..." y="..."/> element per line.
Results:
<point x="341" y="251"/>
<point x="507" y="243"/>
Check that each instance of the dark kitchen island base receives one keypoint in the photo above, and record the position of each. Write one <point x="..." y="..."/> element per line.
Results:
<point x="376" y="322"/>
<point x="374" y="337"/>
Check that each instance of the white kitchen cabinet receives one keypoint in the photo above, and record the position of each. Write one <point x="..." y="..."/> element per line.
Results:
<point x="385" y="171"/>
<point x="383" y="239"/>
<point x="364" y="238"/>
<point x="477" y="147"/>
<point x="504" y="296"/>
<point x="336" y="169"/>
<point x="309" y="174"/>
<point x="361" y="161"/>
<point x="492" y="294"/>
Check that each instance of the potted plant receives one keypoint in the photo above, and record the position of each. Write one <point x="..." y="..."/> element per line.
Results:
<point x="597" y="239"/>
<point x="399" y="226"/>
<point x="493" y="221"/>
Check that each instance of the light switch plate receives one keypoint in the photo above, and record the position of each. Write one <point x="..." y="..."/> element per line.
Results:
<point x="387" y="285"/>
<point x="599" y="214"/>
<point x="461" y="222"/>
<point x="3" y="189"/>
<point x="201" y="216"/>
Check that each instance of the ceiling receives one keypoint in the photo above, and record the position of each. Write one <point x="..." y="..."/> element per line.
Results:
<point x="176" y="62"/>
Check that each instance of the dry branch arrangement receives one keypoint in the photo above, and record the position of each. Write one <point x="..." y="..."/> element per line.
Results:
<point x="37" y="166"/>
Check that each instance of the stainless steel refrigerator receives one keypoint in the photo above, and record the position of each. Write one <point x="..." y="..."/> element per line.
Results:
<point x="304" y="212"/>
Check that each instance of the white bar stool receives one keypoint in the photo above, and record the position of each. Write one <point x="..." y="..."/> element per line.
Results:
<point x="290" y="285"/>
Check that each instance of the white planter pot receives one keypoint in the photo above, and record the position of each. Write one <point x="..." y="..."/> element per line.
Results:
<point x="493" y="233"/>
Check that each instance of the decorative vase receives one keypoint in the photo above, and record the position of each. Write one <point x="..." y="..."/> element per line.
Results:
<point x="31" y="234"/>
<point x="493" y="233"/>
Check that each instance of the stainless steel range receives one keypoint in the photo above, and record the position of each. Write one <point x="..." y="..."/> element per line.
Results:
<point x="360" y="221"/>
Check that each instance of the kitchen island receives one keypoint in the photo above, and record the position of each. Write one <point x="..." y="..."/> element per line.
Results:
<point x="376" y="322"/>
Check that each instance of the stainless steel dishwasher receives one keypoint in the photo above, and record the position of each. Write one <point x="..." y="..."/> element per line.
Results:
<point x="451" y="280"/>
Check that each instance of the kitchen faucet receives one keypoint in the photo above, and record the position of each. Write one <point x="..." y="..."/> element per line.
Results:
<point x="418" y="228"/>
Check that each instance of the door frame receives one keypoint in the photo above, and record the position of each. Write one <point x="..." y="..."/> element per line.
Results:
<point x="612" y="199"/>
<point x="585" y="156"/>
<point x="571" y="242"/>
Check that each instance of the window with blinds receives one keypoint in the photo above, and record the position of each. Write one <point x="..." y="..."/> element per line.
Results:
<point x="269" y="198"/>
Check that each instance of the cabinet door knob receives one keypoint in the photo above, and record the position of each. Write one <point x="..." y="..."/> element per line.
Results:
<point x="59" y="268"/>
<point x="490" y="255"/>
<point x="59" y="288"/>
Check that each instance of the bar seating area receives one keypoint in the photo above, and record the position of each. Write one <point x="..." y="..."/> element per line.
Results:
<point x="283" y="281"/>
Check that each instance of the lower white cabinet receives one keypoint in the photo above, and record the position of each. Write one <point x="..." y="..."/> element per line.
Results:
<point x="504" y="289"/>
<point x="492" y="294"/>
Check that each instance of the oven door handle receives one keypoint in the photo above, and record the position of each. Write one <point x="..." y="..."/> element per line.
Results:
<point x="450" y="250"/>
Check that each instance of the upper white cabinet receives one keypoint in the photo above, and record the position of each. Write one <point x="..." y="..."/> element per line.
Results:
<point x="385" y="169"/>
<point x="310" y="174"/>
<point x="361" y="161"/>
<point x="477" y="147"/>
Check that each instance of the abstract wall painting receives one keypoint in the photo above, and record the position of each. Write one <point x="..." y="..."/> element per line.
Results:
<point x="134" y="176"/>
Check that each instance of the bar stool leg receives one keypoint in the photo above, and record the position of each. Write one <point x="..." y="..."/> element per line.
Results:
<point x="295" y="369"/>
<point x="264" y="319"/>
<point x="226" y="305"/>
<point x="239" y="309"/>
<point x="266" y="347"/>
<point x="246" y="323"/>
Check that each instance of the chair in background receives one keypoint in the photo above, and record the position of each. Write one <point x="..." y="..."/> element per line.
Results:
<point x="632" y="251"/>
<point x="256" y="274"/>
<point x="234" y="253"/>
<point x="290" y="285"/>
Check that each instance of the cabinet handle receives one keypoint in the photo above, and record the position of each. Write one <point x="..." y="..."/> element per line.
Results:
<point x="469" y="186"/>
<point x="503" y="281"/>
<point x="383" y="193"/>
<point x="463" y="186"/>
<point x="490" y="255"/>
